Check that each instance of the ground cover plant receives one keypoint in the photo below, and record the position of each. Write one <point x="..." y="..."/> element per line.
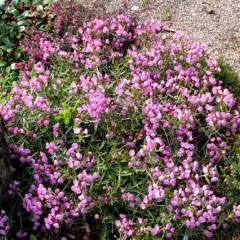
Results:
<point x="123" y="127"/>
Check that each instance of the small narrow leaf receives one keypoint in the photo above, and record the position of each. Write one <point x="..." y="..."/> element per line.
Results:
<point x="33" y="237"/>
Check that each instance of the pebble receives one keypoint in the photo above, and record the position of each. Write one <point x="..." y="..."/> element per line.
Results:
<point x="135" y="8"/>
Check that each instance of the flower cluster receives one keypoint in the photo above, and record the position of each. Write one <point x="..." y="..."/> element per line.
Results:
<point x="4" y="227"/>
<point x="122" y="121"/>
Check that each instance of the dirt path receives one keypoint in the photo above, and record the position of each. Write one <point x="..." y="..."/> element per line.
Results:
<point x="214" y="22"/>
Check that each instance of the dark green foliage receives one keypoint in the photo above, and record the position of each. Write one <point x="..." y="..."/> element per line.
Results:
<point x="15" y="17"/>
<point x="230" y="79"/>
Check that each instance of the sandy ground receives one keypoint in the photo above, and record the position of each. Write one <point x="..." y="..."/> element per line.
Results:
<point x="214" y="22"/>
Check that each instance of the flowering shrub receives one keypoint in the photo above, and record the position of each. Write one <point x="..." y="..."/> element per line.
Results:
<point x="3" y="223"/>
<point x="121" y="123"/>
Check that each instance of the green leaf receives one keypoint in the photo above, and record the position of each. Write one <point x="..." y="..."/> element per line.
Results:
<point x="4" y="81"/>
<point x="21" y="28"/>
<point x="46" y="2"/>
<point x="33" y="237"/>
<point x="4" y="16"/>
<point x="14" y="75"/>
<point x="15" y="3"/>
<point x="8" y="70"/>
<point x="23" y="22"/>
<point x="25" y="14"/>
<point x="3" y="63"/>
<point x="40" y="8"/>
<point x="65" y="115"/>
<point x="126" y="173"/>
<point x="13" y="33"/>
<point x="15" y="12"/>
<point x="6" y="49"/>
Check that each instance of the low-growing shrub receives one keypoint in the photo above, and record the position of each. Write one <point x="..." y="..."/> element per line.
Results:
<point x="125" y="128"/>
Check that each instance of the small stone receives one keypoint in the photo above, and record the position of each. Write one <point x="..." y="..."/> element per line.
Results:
<point x="135" y="8"/>
<point x="211" y="11"/>
<point x="207" y="8"/>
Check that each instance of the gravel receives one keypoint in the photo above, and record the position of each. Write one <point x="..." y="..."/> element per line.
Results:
<point x="213" y="22"/>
